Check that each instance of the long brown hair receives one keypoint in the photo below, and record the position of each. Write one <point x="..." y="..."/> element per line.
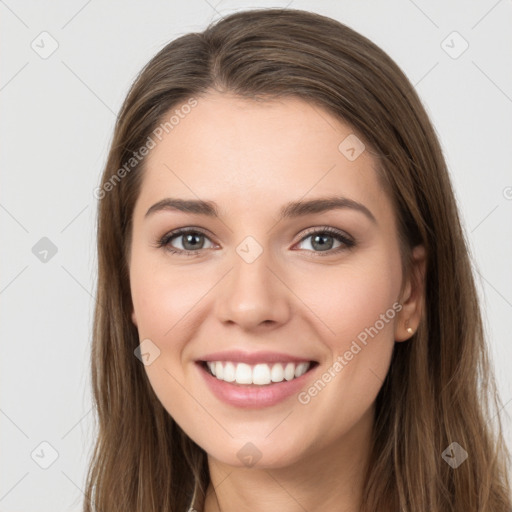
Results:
<point x="439" y="388"/>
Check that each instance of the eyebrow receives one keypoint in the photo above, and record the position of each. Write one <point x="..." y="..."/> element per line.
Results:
<point x="292" y="209"/>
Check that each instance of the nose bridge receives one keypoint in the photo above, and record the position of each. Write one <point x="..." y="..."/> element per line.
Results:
<point x="252" y="294"/>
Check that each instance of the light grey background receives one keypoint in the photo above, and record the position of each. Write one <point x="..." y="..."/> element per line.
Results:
<point x="57" y="120"/>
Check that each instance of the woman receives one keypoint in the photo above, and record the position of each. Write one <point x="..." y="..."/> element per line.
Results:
<point x="287" y="318"/>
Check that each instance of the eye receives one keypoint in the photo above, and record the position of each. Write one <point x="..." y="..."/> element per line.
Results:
<point x="322" y="241"/>
<point x="192" y="241"/>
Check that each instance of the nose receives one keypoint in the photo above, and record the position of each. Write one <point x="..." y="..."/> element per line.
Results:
<point x="253" y="295"/>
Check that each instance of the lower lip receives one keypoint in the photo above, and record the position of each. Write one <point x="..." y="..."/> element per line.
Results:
<point x="253" y="396"/>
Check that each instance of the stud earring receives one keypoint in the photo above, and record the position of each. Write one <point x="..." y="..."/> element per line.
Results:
<point x="410" y="330"/>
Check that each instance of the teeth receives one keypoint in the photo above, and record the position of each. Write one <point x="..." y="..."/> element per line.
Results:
<point x="219" y="371"/>
<point x="289" y="371"/>
<point x="259" y="374"/>
<point x="277" y="373"/>
<point x="229" y="372"/>
<point x="243" y="374"/>
<point x="301" y="369"/>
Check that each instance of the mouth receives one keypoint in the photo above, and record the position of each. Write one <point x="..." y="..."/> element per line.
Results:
<point x="259" y="375"/>
<point x="256" y="386"/>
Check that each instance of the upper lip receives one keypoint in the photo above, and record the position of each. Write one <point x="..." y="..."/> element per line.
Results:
<point x="238" y="356"/>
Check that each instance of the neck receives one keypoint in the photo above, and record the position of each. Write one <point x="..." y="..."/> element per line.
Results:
<point x="326" y="478"/>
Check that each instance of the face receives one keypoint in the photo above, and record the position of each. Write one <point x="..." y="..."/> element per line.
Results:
<point x="275" y="286"/>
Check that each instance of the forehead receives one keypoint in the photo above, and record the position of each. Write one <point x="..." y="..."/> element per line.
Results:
<point x="246" y="153"/>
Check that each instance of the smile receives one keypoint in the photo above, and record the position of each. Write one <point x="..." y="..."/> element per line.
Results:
<point x="260" y="374"/>
<point x="254" y="386"/>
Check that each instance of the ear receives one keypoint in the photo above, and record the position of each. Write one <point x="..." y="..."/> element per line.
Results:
<point x="413" y="296"/>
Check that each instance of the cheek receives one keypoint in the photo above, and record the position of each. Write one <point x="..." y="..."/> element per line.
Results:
<point x="158" y="309"/>
<point x="351" y="298"/>
<point x="359" y="307"/>
<point x="167" y="302"/>
<point x="163" y="296"/>
<point x="163" y="302"/>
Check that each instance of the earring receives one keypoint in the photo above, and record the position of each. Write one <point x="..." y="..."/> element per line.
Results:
<point x="410" y="330"/>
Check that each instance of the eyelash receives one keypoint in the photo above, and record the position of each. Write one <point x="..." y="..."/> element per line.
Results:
<point x="335" y="233"/>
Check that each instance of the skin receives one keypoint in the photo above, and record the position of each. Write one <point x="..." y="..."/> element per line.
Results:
<point x="251" y="158"/>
